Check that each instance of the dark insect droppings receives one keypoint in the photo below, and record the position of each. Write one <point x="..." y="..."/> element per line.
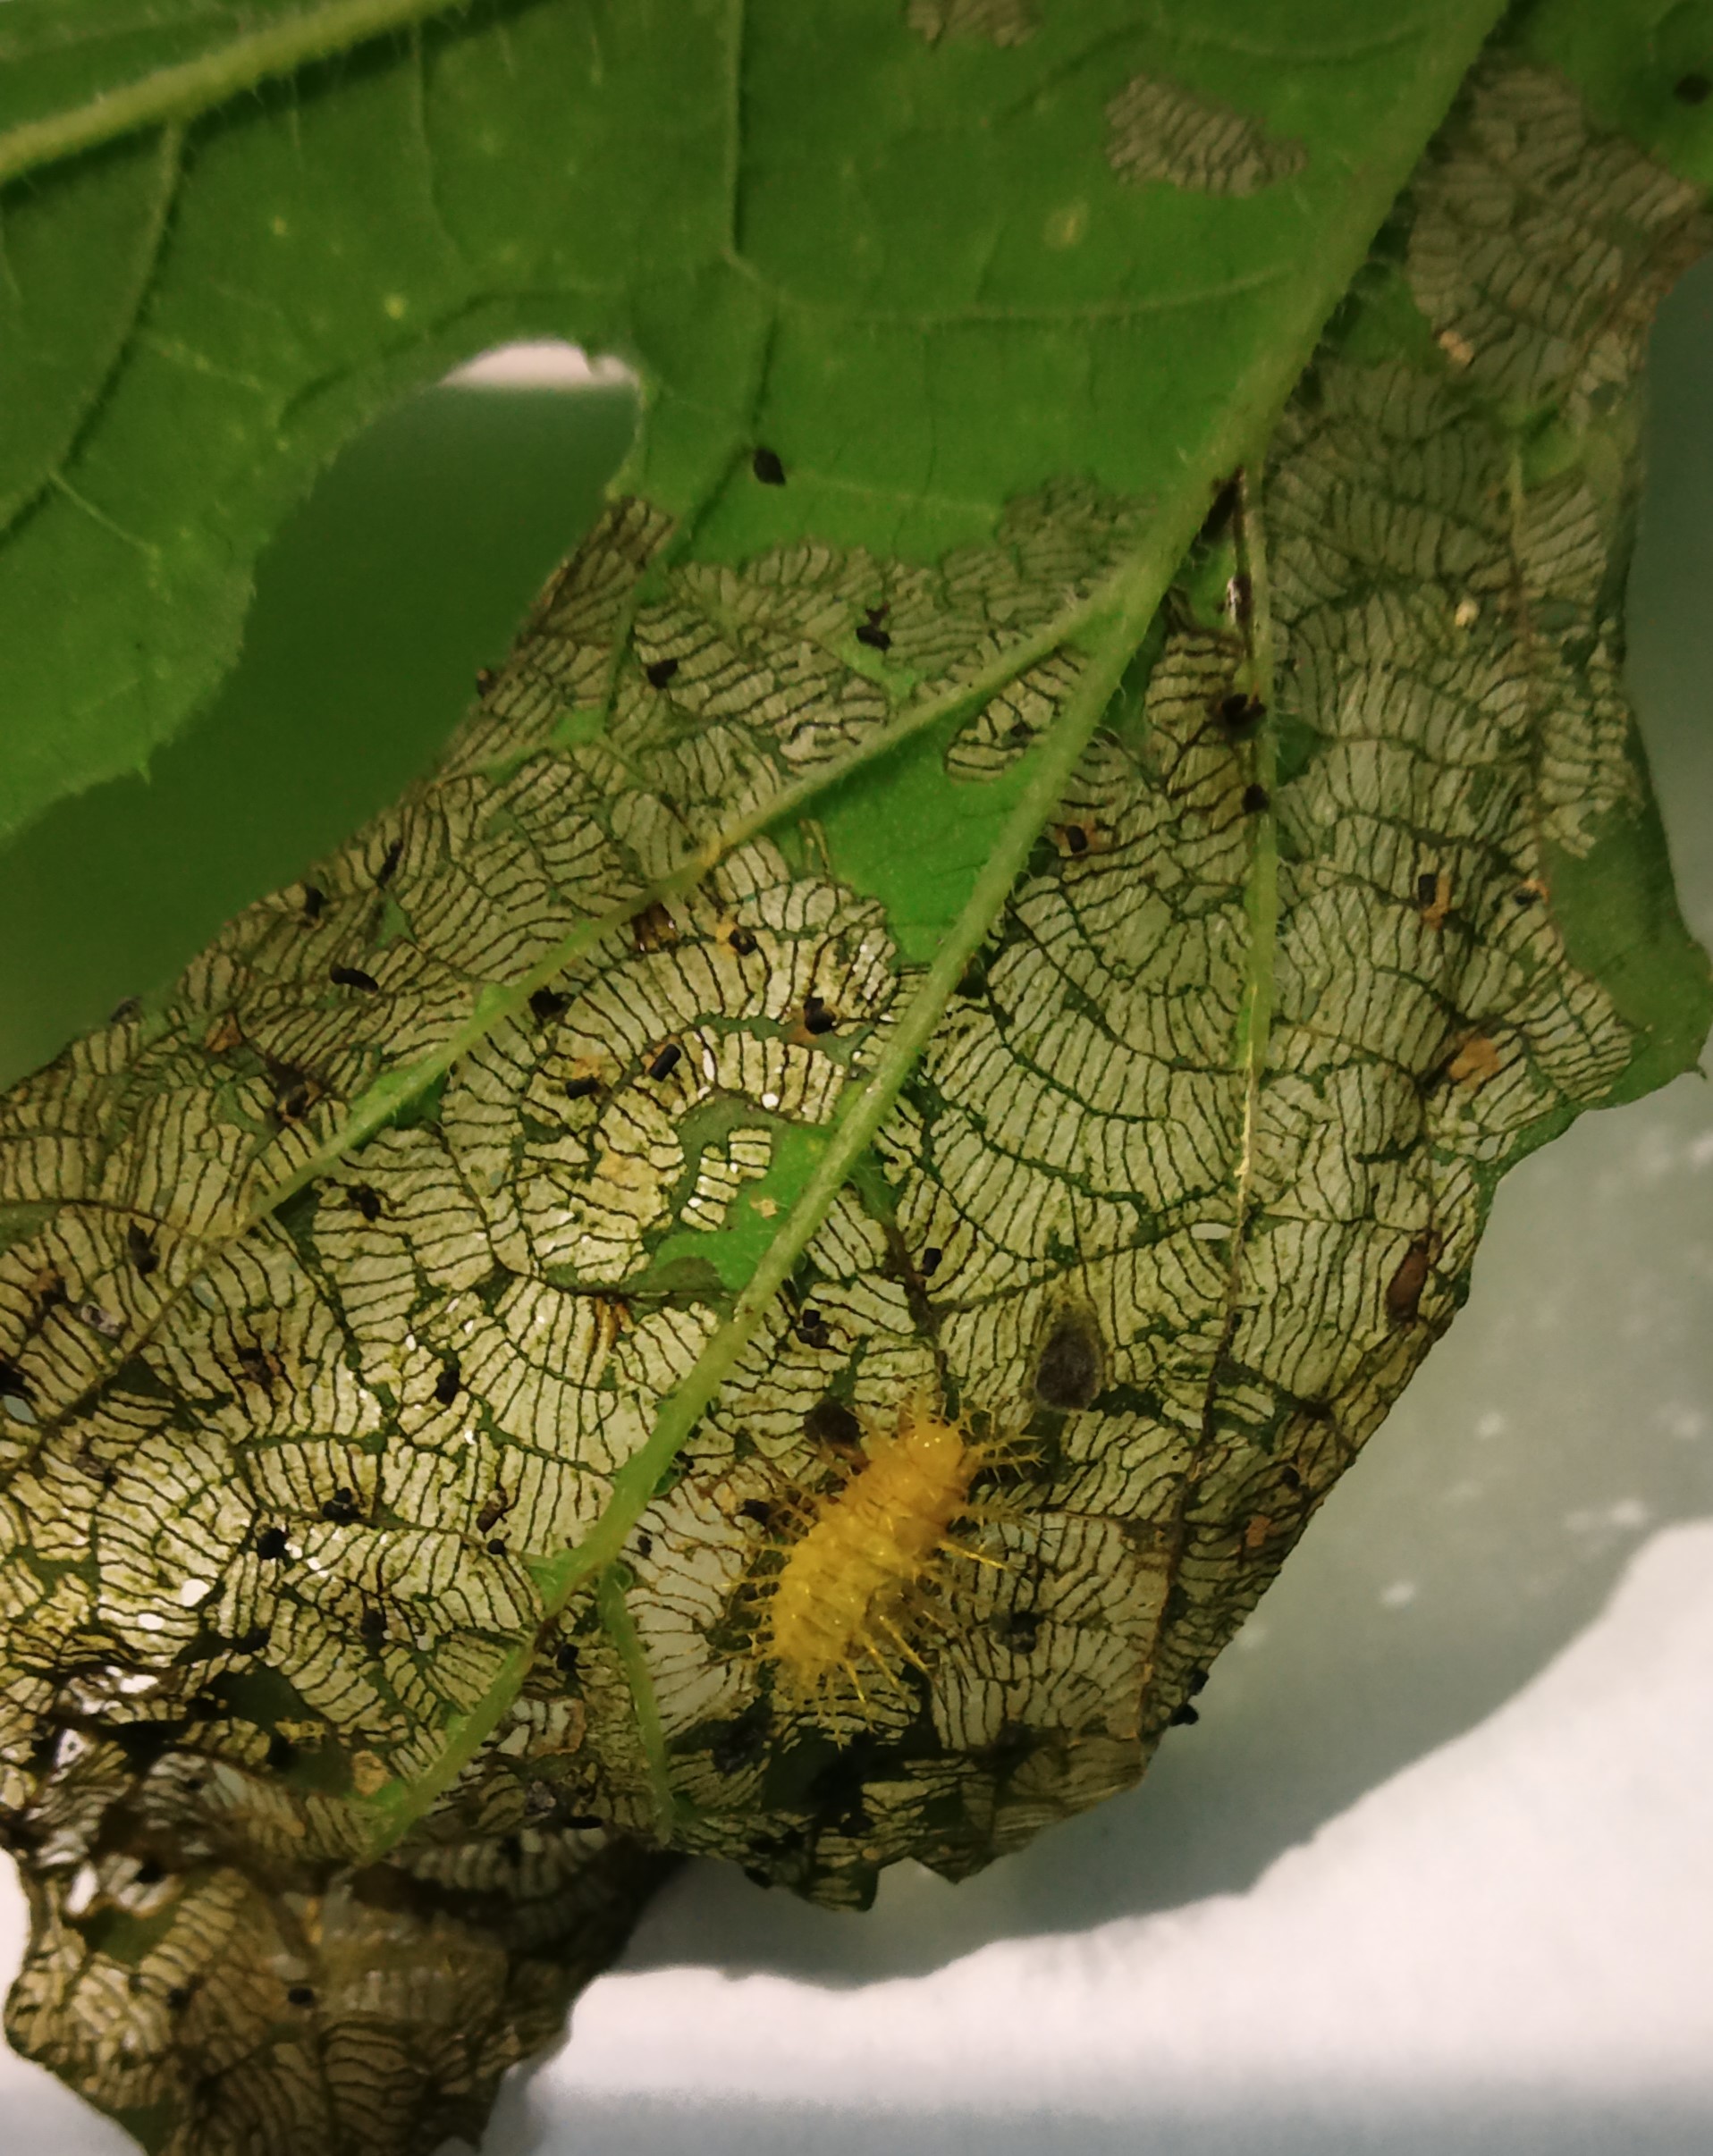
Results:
<point x="299" y="1995"/>
<point x="1239" y="714"/>
<point x="1198" y="1682"/>
<point x="353" y="976"/>
<point x="1184" y="1716"/>
<point x="758" y="1510"/>
<point x="271" y="1544"/>
<point x="484" y="679"/>
<point x="667" y="1061"/>
<point x="372" y="1626"/>
<point x="149" y="1873"/>
<point x="653" y="928"/>
<point x="829" y="1422"/>
<point x="740" y="940"/>
<point x="282" y="1753"/>
<point x="816" y="1017"/>
<point x="389" y="862"/>
<point x="257" y="1365"/>
<point x="931" y="1258"/>
<point x="447" y="1383"/>
<point x="658" y="672"/>
<point x="580" y="1089"/>
<point x="367" y="1199"/>
<point x="737" y="1747"/>
<point x="874" y="636"/>
<point x="767" y="467"/>
<point x="547" y="1004"/>
<point x="1075" y="838"/>
<point x="1068" y="1374"/>
<point x="496" y="1548"/>
<point x="1255" y="800"/>
<point x="295" y="1092"/>
<point x="1403" y="1290"/>
<point x="741" y="1742"/>
<point x="178" y="1997"/>
<point x="566" y="1660"/>
<point x="644" y="1545"/>
<point x="13" y="1381"/>
<point x="313" y="899"/>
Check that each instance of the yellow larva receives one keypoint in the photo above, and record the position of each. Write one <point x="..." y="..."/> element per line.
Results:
<point x="855" y="1579"/>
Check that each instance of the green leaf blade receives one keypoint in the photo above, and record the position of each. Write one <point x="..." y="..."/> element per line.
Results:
<point x="553" y="182"/>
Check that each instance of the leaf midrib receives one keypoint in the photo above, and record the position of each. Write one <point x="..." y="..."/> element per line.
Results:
<point x="1130" y="599"/>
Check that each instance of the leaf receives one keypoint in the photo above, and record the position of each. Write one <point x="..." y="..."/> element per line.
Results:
<point x="540" y="170"/>
<point x="867" y="967"/>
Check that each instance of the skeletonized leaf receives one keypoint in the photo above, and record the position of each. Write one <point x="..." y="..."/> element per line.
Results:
<point x="852" y="972"/>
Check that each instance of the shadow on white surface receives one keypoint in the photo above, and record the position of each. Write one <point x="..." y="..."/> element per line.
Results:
<point x="1278" y="2127"/>
<point x="1416" y="1977"/>
<point x="1505" y="1948"/>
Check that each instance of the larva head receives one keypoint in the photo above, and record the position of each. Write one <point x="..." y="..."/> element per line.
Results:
<point x="943" y="1451"/>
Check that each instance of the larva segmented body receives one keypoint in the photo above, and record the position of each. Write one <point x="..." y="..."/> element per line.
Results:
<point x="850" y="1583"/>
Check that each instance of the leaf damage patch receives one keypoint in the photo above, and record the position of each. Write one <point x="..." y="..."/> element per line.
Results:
<point x="296" y="1416"/>
<point x="1159" y="131"/>
<point x="1001" y="22"/>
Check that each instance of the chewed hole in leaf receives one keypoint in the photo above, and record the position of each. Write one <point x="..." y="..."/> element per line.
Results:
<point x="401" y="574"/>
<point x="542" y="363"/>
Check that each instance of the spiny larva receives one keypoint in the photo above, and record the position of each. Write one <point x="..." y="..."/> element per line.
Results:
<point x="854" y="1583"/>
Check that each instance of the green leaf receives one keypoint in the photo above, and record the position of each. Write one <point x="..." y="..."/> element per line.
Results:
<point x="535" y="170"/>
<point x="934" y="1052"/>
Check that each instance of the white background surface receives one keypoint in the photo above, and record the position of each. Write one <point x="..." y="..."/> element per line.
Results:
<point x="1434" y="1872"/>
